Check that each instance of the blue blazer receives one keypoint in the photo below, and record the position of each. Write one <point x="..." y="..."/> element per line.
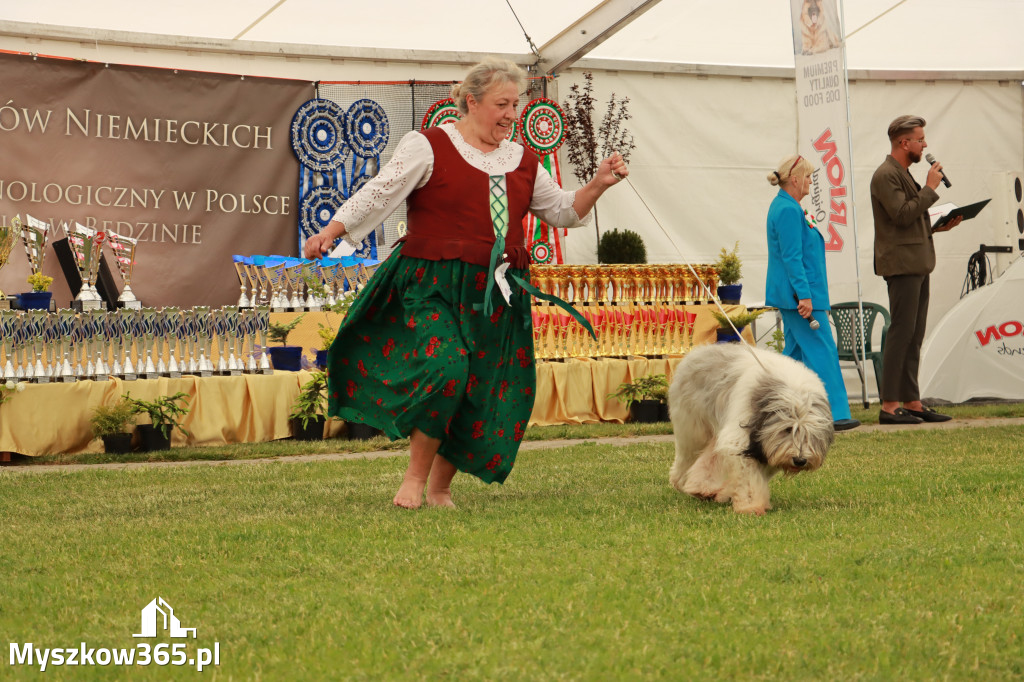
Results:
<point x="796" y="257"/>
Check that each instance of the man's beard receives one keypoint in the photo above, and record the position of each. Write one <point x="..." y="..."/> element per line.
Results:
<point x="914" y="157"/>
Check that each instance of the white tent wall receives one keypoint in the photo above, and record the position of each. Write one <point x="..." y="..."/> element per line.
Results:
<point x="706" y="142"/>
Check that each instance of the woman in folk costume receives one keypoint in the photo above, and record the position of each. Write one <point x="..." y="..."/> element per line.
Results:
<point x="439" y="345"/>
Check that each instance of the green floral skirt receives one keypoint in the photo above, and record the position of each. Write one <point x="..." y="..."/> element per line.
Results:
<point x="417" y="351"/>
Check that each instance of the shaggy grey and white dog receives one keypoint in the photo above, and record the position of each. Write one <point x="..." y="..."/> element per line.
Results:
<point x="740" y="416"/>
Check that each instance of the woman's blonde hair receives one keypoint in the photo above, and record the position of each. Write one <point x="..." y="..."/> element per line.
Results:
<point x="791" y="166"/>
<point x="485" y="75"/>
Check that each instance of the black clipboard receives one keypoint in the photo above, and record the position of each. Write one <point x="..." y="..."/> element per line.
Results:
<point x="967" y="212"/>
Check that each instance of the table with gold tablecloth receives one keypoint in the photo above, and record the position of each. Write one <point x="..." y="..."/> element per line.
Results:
<point x="54" y="418"/>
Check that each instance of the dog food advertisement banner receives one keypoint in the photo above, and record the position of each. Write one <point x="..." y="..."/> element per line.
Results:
<point x="823" y="132"/>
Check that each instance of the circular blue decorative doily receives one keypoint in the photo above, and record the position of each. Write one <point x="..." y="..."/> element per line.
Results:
<point x="368" y="128"/>
<point x="318" y="135"/>
<point x="318" y="207"/>
<point x="357" y="184"/>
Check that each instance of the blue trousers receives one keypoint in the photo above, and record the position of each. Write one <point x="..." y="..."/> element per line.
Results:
<point x="816" y="349"/>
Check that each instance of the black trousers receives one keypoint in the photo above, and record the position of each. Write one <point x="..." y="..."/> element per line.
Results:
<point x="908" y="309"/>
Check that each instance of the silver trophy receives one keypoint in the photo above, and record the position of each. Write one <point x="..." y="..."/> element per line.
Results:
<point x="293" y="274"/>
<point x="38" y="323"/>
<point x="7" y="345"/>
<point x="257" y="293"/>
<point x="248" y="325"/>
<point x="85" y="245"/>
<point x="233" y="324"/>
<point x="147" y="326"/>
<point x="112" y="333"/>
<point x="124" y="256"/>
<point x="262" y="327"/>
<point x="352" y="277"/>
<point x="173" y="324"/>
<point x="67" y="338"/>
<point x="127" y="326"/>
<point x="204" y="339"/>
<point x="190" y="334"/>
<point x="243" y="278"/>
<point x="314" y="284"/>
<point x="34" y="235"/>
<point x="97" y="339"/>
<point x="276" y="277"/>
<point x="329" y="275"/>
<point x="219" y="324"/>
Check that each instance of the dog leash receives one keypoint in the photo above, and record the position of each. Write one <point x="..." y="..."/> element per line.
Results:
<point x="704" y="286"/>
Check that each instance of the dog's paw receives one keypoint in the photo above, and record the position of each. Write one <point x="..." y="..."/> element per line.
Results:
<point x="754" y="509"/>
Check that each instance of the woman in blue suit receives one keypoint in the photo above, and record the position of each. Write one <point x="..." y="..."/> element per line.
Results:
<point x="798" y="285"/>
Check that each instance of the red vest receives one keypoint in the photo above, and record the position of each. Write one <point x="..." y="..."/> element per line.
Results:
<point x="449" y="218"/>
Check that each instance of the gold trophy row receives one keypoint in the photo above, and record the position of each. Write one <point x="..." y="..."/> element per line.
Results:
<point x="634" y="309"/>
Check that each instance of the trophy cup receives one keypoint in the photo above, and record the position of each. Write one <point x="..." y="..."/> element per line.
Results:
<point x="329" y="271"/>
<point x="315" y="284"/>
<point x="85" y="245"/>
<point x="112" y="333"/>
<point x="243" y="277"/>
<point x="36" y="323"/>
<point x="98" y="338"/>
<point x="293" y="274"/>
<point x="67" y="337"/>
<point x="124" y="256"/>
<point x="147" y="326"/>
<point x="233" y="332"/>
<point x="275" y="273"/>
<point x="127" y="329"/>
<point x="203" y="319"/>
<point x="262" y="327"/>
<point x="219" y="325"/>
<point x="172" y="325"/>
<point x="258" y="293"/>
<point x="247" y="324"/>
<point x="34" y="234"/>
<point x="8" y="238"/>
<point x="7" y="344"/>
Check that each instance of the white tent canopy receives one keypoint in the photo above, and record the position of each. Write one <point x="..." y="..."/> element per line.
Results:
<point x="916" y="35"/>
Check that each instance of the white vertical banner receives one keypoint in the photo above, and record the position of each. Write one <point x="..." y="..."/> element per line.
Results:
<point x="824" y="136"/>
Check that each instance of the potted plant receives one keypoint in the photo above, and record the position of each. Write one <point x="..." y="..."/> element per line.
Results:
<point x="114" y="424"/>
<point x="739" y="320"/>
<point x="327" y="333"/>
<point x="641" y="396"/>
<point x="39" y="297"/>
<point x="729" y="269"/>
<point x="621" y="247"/>
<point x="310" y="408"/>
<point x="165" y="414"/>
<point x="284" y="357"/>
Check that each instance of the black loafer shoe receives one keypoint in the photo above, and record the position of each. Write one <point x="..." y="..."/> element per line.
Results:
<point x="929" y="415"/>
<point x="900" y="416"/>
<point x="845" y="424"/>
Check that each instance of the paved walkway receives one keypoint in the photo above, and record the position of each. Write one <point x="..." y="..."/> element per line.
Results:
<point x="525" y="446"/>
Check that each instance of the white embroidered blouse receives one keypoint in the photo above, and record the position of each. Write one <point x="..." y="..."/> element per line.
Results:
<point x="410" y="169"/>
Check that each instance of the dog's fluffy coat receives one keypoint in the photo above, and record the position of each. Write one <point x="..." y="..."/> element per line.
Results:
<point x="741" y="415"/>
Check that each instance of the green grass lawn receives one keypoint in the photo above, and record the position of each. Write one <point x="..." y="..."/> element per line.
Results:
<point x="900" y="559"/>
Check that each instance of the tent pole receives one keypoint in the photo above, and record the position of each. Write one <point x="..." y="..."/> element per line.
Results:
<point x="853" y="203"/>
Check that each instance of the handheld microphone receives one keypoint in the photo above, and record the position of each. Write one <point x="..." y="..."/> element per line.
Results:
<point x="814" y="323"/>
<point x="931" y="159"/>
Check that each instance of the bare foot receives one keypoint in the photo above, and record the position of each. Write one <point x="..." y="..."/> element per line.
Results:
<point x="440" y="498"/>
<point x="410" y="493"/>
